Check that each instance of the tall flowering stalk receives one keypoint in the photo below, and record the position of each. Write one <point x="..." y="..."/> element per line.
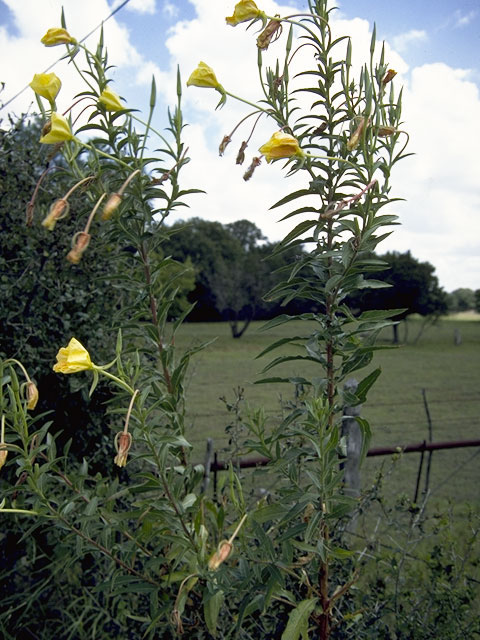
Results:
<point x="163" y="547"/>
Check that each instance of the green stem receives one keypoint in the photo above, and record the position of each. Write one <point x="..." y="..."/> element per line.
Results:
<point x="120" y="383"/>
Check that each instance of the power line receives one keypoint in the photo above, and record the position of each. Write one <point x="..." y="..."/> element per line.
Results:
<point x="61" y="57"/>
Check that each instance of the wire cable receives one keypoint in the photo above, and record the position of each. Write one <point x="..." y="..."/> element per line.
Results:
<point x="120" y="6"/>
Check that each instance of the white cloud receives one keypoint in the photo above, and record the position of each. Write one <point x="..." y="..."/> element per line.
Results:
<point x="140" y="6"/>
<point x="170" y="9"/>
<point x="463" y="19"/>
<point x="402" y="41"/>
<point x="440" y="220"/>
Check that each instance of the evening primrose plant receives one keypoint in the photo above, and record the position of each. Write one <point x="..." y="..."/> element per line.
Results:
<point x="164" y="561"/>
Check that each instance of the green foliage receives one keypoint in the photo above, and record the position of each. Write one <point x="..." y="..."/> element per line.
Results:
<point x="461" y="300"/>
<point x="146" y="552"/>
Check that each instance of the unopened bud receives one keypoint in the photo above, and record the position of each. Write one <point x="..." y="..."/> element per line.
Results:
<point x="32" y="395"/>
<point x="391" y="73"/>
<point x="386" y="131"/>
<point x="241" y="153"/>
<point x="355" y="138"/>
<point x="223" y="145"/>
<point x="225" y="548"/>
<point x="59" y="209"/>
<point x="80" y="243"/>
<point x="249" y="172"/>
<point x="123" y="442"/>
<point x="111" y="205"/>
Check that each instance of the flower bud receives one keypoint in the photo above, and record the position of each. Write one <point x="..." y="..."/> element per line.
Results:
<point x="81" y="241"/>
<point x="3" y="455"/>
<point x="241" y="153"/>
<point x="225" y="548"/>
<point x="355" y="137"/>
<point x="386" y="131"/>
<point x="123" y="442"/>
<point x="111" y="205"/>
<point x="249" y="172"/>
<point x="58" y="210"/>
<point x="110" y="100"/>
<point x="391" y="73"/>
<point x="32" y="395"/>
<point x="223" y="145"/>
<point x="57" y="36"/>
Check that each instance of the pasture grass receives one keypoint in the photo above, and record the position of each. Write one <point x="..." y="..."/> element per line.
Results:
<point x="447" y="372"/>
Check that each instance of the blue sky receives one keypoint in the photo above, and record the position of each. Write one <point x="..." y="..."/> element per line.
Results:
<point x="434" y="45"/>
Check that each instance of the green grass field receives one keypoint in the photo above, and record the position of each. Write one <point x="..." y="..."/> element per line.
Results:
<point x="449" y="373"/>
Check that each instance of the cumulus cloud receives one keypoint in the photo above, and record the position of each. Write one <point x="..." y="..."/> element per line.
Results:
<point x="440" y="221"/>
<point x="402" y="41"/>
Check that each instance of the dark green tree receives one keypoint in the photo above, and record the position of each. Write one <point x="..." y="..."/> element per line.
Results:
<point x="477" y="300"/>
<point x="462" y="299"/>
<point x="411" y="286"/>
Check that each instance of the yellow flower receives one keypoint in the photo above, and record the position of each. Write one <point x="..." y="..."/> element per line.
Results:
<point x="281" y="145"/>
<point x="73" y="358"/>
<point x="57" y="130"/>
<point x="32" y="395"/>
<point x="391" y="73"/>
<point x="204" y="76"/>
<point x="57" y="36"/>
<point x="46" y="85"/>
<point x="244" y="11"/>
<point x="110" y="100"/>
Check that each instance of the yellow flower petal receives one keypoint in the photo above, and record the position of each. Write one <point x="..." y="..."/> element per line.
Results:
<point x="281" y="145"/>
<point x="59" y="130"/>
<point x="46" y="85"/>
<point x="73" y="358"/>
<point x="244" y="11"/>
<point x="56" y="36"/>
<point x="110" y="100"/>
<point x="203" y="76"/>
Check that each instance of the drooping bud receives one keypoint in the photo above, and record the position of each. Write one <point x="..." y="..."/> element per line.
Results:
<point x="80" y="243"/>
<point x="249" y="172"/>
<point x="241" y="153"/>
<point x="123" y="442"/>
<point x="111" y="205"/>
<point x="58" y="210"/>
<point x="32" y="395"/>
<point x="223" y="145"/>
<point x="3" y="450"/>
<point x="223" y="551"/>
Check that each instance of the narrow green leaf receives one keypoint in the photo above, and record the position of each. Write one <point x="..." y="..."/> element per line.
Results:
<point x="211" y="609"/>
<point x="298" y="620"/>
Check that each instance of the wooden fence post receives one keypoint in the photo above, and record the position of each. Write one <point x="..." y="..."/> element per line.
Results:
<point x="351" y="430"/>
<point x="207" y="465"/>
